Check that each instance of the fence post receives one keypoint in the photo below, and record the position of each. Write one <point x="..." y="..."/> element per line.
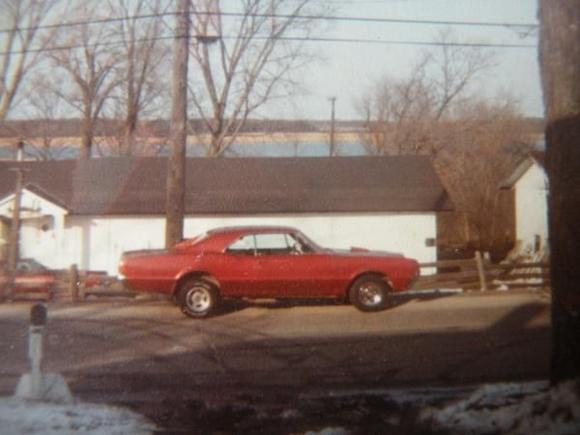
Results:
<point x="480" y="271"/>
<point x="74" y="282"/>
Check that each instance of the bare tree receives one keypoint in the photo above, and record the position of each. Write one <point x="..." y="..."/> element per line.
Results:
<point x="141" y="64"/>
<point x="90" y="69"/>
<point x="402" y="115"/>
<point x="560" y="68"/>
<point x="248" y="70"/>
<point x="483" y="148"/>
<point x="399" y="113"/>
<point x="22" y="18"/>
<point x="45" y="108"/>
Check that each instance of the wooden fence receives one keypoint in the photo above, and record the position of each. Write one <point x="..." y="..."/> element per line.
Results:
<point x="480" y="274"/>
<point x="469" y="275"/>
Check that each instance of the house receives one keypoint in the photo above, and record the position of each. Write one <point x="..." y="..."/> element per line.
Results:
<point x="89" y="212"/>
<point x="529" y="186"/>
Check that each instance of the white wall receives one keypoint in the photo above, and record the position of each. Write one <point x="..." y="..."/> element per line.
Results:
<point x="57" y="240"/>
<point x="41" y="228"/>
<point x="100" y="241"/>
<point x="107" y="237"/>
<point x="531" y="208"/>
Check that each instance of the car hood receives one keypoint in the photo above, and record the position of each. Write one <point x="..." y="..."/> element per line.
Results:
<point x="144" y="253"/>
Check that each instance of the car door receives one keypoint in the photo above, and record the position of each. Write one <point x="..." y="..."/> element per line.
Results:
<point x="285" y="271"/>
<point x="238" y="272"/>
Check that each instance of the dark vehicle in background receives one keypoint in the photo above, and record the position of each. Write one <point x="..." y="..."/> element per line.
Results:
<point x="265" y="262"/>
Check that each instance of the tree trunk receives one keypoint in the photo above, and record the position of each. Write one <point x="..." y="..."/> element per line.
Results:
<point x="86" y="137"/>
<point x="130" y="132"/>
<point x="560" y="68"/>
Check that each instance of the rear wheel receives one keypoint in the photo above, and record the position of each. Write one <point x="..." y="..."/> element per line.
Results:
<point x="370" y="293"/>
<point x="198" y="298"/>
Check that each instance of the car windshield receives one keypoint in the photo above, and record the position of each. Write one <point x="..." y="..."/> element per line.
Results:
<point x="308" y="245"/>
<point x="30" y="265"/>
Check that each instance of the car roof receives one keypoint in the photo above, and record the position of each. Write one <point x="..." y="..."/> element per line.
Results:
<point x="251" y="229"/>
<point x="218" y="238"/>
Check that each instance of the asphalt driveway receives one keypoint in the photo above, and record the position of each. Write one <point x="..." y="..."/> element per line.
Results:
<point x="133" y="349"/>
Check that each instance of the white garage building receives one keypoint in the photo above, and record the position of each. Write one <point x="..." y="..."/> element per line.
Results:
<point x="530" y="188"/>
<point x="89" y="212"/>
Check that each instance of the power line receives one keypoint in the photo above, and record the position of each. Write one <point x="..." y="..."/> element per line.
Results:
<point x="281" y="16"/>
<point x="87" y="22"/>
<point x="375" y="19"/>
<point x="286" y="38"/>
<point x="401" y="42"/>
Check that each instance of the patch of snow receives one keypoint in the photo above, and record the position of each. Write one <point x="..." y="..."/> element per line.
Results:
<point x="501" y="286"/>
<point x="430" y="292"/>
<point x="290" y="414"/>
<point x="29" y="417"/>
<point x="330" y="431"/>
<point x="512" y="408"/>
<point x="52" y="388"/>
<point x="421" y="396"/>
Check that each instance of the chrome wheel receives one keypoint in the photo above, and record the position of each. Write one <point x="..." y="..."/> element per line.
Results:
<point x="198" y="299"/>
<point x="370" y="293"/>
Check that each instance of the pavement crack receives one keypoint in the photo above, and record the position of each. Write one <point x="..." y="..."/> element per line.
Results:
<point x="214" y="354"/>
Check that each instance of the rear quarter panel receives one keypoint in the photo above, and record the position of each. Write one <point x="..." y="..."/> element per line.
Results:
<point x="156" y="273"/>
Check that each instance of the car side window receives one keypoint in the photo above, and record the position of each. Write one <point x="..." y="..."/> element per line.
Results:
<point x="244" y="246"/>
<point x="266" y="244"/>
<point x="273" y="244"/>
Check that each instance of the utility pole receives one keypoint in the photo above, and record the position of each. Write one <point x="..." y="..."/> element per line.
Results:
<point x="20" y="150"/>
<point x="175" y="198"/>
<point x="560" y="71"/>
<point x="332" y="150"/>
<point x="14" y="241"/>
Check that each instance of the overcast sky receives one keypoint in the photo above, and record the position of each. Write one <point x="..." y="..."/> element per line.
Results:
<point x="348" y="69"/>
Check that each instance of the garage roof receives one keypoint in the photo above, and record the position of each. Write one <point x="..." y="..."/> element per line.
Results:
<point x="136" y="186"/>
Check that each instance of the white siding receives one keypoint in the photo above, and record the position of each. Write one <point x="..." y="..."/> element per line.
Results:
<point x="105" y="238"/>
<point x="531" y="208"/>
<point x="41" y="228"/>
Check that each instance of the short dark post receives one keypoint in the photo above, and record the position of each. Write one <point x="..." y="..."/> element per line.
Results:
<point x="35" y="334"/>
<point x="480" y="271"/>
<point x="74" y="282"/>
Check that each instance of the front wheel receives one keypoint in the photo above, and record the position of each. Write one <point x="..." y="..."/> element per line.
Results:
<point x="198" y="298"/>
<point x="370" y="293"/>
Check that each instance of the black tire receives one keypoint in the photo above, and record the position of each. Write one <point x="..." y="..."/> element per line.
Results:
<point x="198" y="298"/>
<point x="370" y="293"/>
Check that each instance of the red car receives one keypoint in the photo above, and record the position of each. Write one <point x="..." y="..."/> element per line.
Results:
<point x="265" y="262"/>
<point x="31" y="277"/>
